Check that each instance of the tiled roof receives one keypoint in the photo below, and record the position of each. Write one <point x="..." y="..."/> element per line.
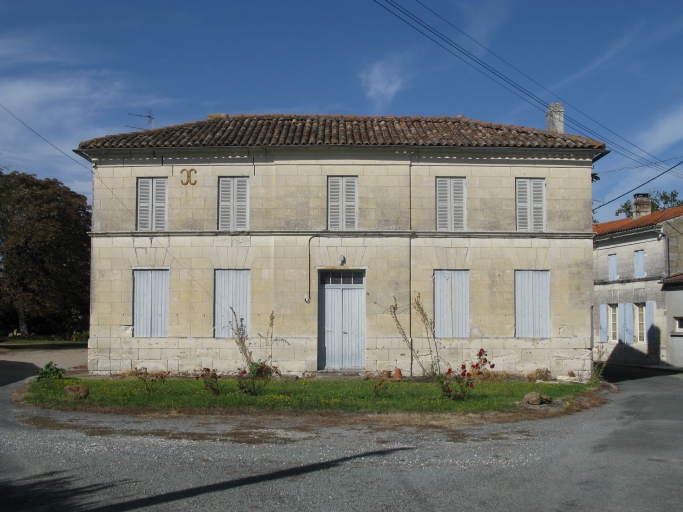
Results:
<point x="337" y="130"/>
<point x="677" y="278"/>
<point x="653" y="219"/>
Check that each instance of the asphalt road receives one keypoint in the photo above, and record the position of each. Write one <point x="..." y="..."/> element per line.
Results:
<point x="626" y="455"/>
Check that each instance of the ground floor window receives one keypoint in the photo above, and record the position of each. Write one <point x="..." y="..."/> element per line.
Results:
<point x="231" y="294"/>
<point x="639" y="324"/>
<point x="150" y="303"/>
<point x="532" y="303"/>
<point x="613" y="322"/>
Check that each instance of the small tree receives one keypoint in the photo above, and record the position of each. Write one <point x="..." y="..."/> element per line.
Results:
<point x="660" y="201"/>
<point x="44" y="251"/>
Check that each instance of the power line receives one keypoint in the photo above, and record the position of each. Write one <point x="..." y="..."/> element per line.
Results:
<point x="578" y="126"/>
<point x="636" y="166"/>
<point x="39" y="135"/>
<point x="636" y="188"/>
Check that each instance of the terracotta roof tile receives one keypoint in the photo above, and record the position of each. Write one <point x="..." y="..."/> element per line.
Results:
<point x="294" y="130"/>
<point x="628" y="224"/>
<point x="677" y="278"/>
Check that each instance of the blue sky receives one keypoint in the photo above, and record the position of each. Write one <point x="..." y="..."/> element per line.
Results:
<point x="73" y="69"/>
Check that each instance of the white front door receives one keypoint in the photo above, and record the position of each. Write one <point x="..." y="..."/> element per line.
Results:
<point x="342" y="320"/>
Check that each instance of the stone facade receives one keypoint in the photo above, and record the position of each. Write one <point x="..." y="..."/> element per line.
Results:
<point x="287" y="244"/>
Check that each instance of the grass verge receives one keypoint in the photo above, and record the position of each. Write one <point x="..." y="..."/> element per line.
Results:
<point x="301" y="396"/>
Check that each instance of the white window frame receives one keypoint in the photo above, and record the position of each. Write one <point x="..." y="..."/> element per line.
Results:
<point x="451" y="210"/>
<point x="342" y="203"/>
<point x="233" y="203"/>
<point x="613" y="323"/>
<point x="639" y="323"/>
<point x="152" y="215"/>
<point x="530" y="204"/>
<point x="678" y="323"/>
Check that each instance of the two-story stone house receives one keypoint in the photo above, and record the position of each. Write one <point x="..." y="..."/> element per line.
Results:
<point x="638" y="315"/>
<point x="323" y="220"/>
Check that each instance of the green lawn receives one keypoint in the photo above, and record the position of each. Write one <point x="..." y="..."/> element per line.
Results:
<point x="300" y="395"/>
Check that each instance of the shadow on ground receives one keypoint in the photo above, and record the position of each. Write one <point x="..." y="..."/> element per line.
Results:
<point x="15" y="371"/>
<point x="615" y="373"/>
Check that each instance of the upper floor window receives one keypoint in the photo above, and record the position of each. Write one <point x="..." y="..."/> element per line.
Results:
<point x="639" y="264"/>
<point x="342" y="203"/>
<point x="530" y="204"/>
<point x="612" y="263"/>
<point x="450" y="204"/>
<point x="152" y="204"/>
<point x="233" y="204"/>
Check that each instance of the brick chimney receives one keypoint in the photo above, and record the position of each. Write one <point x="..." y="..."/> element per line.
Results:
<point x="554" y="118"/>
<point x="642" y="205"/>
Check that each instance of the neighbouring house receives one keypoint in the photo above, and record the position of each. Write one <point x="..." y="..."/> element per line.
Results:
<point x="323" y="220"/>
<point x="638" y="261"/>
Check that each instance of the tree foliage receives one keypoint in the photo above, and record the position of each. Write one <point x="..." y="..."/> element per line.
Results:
<point x="660" y="201"/>
<point x="44" y="254"/>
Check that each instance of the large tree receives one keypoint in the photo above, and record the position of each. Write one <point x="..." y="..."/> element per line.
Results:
<point x="44" y="251"/>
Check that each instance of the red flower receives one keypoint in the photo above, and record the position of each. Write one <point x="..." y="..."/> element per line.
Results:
<point x="485" y="361"/>
<point x="469" y="374"/>
<point x="471" y="384"/>
<point x="463" y="373"/>
<point x="463" y="367"/>
<point x="196" y="378"/>
<point x="449" y="371"/>
<point x="492" y="365"/>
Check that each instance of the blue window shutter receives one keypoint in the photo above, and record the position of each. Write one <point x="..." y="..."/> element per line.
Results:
<point x="612" y="258"/>
<point x="628" y="324"/>
<point x="621" y="325"/>
<point x="650" y="322"/>
<point x="604" y="319"/>
<point x="639" y="264"/>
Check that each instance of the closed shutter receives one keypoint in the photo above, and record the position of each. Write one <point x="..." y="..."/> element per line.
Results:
<point x="232" y="290"/>
<point x="612" y="262"/>
<point x="621" y="324"/>
<point x="604" y="323"/>
<point x="144" y="204"/>
<point x="225" y="214"/>
<point x="443" y="316"/>
<point x="523" y="205"/>
<point x="628" y="323"/>
<point x="639" y="264"/>
<point x="532" y="304"/>
<point x="150" y="303"/>
<point x="159" y="189"/>
<point x="458" y="204"/>
<point x="241" y="204"/>
<point x="334" y="203"/>
<point x="442" y="206"/>
<point x="350" y="203"/>
<point x="650" y="323"/>
<point x="537" y="205"/>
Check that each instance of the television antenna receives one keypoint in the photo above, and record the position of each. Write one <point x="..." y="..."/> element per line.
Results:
<point x="148" y="116"/>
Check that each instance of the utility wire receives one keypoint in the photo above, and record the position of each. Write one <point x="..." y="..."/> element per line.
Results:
<point x="570" y="121"/>
<point x="39" y="135"/>
<point x="636" y="188"/>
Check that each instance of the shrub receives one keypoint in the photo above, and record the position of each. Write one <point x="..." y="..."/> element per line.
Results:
<point x="457" y="386"/>
<point x="380" y="389"/>
<point x="539" y="374"/>
<point x="150" y="379"/>
<point x="254" y="379"/>
<point x="211" y="381"/>
<point x="80" y="336"/>
<point x="50" y="371"/>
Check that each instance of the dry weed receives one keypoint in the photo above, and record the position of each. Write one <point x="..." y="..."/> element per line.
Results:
<point x="539" y="374"/>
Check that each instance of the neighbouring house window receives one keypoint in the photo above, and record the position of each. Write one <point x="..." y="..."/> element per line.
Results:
<point x="530" y="204"/>
<point x="639" y="313"/>
<point x="450" y="204"/>
<point x="342" y="203"/>
<point x="679" y="323"/>
<point x="231" y="293"/>
<point x="452" y="303"/>
<point x="150" y="303"/>
<point x="639" y="264"/>
<point x="233" y="204"/>
<point x="612" y="262"/>
<point x="613" y="322"/>
<point x="532" y="303"/>
<point x="152" y="204"/>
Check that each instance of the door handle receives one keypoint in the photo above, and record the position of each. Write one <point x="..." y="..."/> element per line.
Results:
<point x="344" y="332"/>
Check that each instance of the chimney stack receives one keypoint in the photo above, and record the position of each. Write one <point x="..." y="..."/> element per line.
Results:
<point x="554" y="118"/>
<point x="642" y="205"/>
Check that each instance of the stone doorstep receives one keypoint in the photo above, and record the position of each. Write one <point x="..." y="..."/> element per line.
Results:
<point x="341" y="375"/>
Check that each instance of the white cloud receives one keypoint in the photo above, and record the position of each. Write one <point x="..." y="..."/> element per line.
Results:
<point x="664" y="132"/>
<point x="383" y="79"/>
<point x="484" y="17"/>
<point x="29" y="49"/>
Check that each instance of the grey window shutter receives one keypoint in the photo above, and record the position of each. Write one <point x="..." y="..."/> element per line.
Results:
<point x="232" y="290"/>
<point x="532" y="304"/>
<point x="541" y="302"/>
<point x="628" y="323"/>
<point x="458" y="204"/>
<point x="241" y="204"/>
<point x="159" y="303"/>
<point x="604" y="322"/>
<point x="159" y="203"/>
<point x="650" y="323"/>
<point x="334" y="203"/>
<point x="443" y="317"/>
<point x="612" y="261"/>
<point x="460" y="303"/>
<point x="442" y="206"/>
<point x="225" y="202"/>
<point x="621" y="325"/>
<point x="150" y="303"/>
<point x="523" y="205"/>
<point x="537" y="205"/>
<point x="144" y="204"/>
<point x="350" y="203"/>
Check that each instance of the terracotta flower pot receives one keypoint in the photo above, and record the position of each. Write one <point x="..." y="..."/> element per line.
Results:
<point x="398" y="375"/>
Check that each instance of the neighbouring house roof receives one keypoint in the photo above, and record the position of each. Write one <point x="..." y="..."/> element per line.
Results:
<point x="628" y="224"/>
<point x="675" y="279"/>
<point x="337" y="130"/>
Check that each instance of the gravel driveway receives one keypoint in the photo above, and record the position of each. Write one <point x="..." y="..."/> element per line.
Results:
<point x="626" y="455"/>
